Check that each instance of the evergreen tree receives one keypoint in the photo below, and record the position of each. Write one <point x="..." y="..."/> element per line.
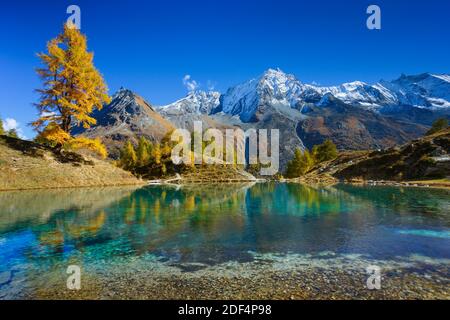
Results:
<point x="300" y="164"/>
<point x="437" y="126"/>
<point x="72" y="89"/>
<point x="293" y="166"/>
<point x="325" y="151"/>
<point x="307" y="162"/>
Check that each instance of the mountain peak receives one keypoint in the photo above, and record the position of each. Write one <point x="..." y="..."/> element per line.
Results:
<point x="198" y="101"/>
<point x="277" y="75"/>
<point x="123" y="89"/>
<point x="274" y="71"/>
<point x="426" y="76"/>
<point x="201" y="94"/>
<point x="125" y="118"/>
<point x="123" y="92"/>
<point x="354" y="84"/>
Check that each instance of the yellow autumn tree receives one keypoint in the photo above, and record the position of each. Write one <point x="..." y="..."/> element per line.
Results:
<point x="142" y="152"/>
<point x="157" y="153"/>
<point x="128" y="157"/>
<point x="72" y="89"/>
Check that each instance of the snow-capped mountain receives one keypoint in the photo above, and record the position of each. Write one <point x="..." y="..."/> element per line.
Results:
<point x="274" y="88"/>
<point x="200" y="102"/>
<point x="362" y="94"/>
<point x="196" y="106"/>
<point x="278" y="89"/>
<point x="354" y="115"/>
<point x="425" y="90"/>
<point x="284" y="93"/>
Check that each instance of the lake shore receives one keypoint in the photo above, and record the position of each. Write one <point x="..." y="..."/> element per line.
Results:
<point x="438" y="184"/>
<point x="280" y="279"/>
<point x="266" y="241"/>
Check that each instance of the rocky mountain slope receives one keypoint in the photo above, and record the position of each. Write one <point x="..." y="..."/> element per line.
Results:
<point x="127" y="117"/>
<point x="196" y="106"/>
<point x="354" y="115"/>
<point x="353" y="128"/>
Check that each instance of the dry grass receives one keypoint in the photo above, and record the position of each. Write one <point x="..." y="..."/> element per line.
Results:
<point x="216" y="173"/>
<point x="26" y="165"/>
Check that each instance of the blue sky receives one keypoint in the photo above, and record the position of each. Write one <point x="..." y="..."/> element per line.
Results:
<point x="149" y="46"/>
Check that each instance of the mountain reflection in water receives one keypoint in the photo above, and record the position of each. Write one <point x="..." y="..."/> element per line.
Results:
<point x="216" y="223"/>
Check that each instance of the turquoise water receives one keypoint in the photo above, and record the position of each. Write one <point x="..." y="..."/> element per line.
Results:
<point x="45" y="231"/>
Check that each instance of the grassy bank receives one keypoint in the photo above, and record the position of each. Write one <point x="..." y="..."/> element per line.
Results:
<point x="27" y="165"/>
<point x="424" y="162"/>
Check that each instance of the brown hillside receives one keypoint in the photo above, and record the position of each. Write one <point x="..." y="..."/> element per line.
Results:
<point x="421" y="159"/>
<point x="27" y="165"/>
<point x="127" y="117"/>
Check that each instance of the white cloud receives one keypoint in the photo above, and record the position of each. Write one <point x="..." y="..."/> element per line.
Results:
<point x="10" y="124"/>
<point x="190" y="83"/>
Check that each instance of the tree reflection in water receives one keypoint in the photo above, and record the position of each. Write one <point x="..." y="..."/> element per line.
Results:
<point x="215" y="223"/>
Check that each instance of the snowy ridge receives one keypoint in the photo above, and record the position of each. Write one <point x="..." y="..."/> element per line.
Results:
<point x="197" y="102"/>
<point x="274" y="88"/>
<point x="277" y="90"/>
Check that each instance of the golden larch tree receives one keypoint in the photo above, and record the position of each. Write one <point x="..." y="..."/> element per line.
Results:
<point x="73" y="88"/>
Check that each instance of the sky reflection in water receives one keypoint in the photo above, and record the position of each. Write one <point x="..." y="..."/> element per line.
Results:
<point x="216" y="223"/>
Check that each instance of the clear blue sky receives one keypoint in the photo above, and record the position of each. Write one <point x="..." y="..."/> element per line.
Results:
<point x="148" y="46"/>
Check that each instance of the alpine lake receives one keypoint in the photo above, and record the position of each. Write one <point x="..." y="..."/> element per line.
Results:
<point x="226" y="241"/>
